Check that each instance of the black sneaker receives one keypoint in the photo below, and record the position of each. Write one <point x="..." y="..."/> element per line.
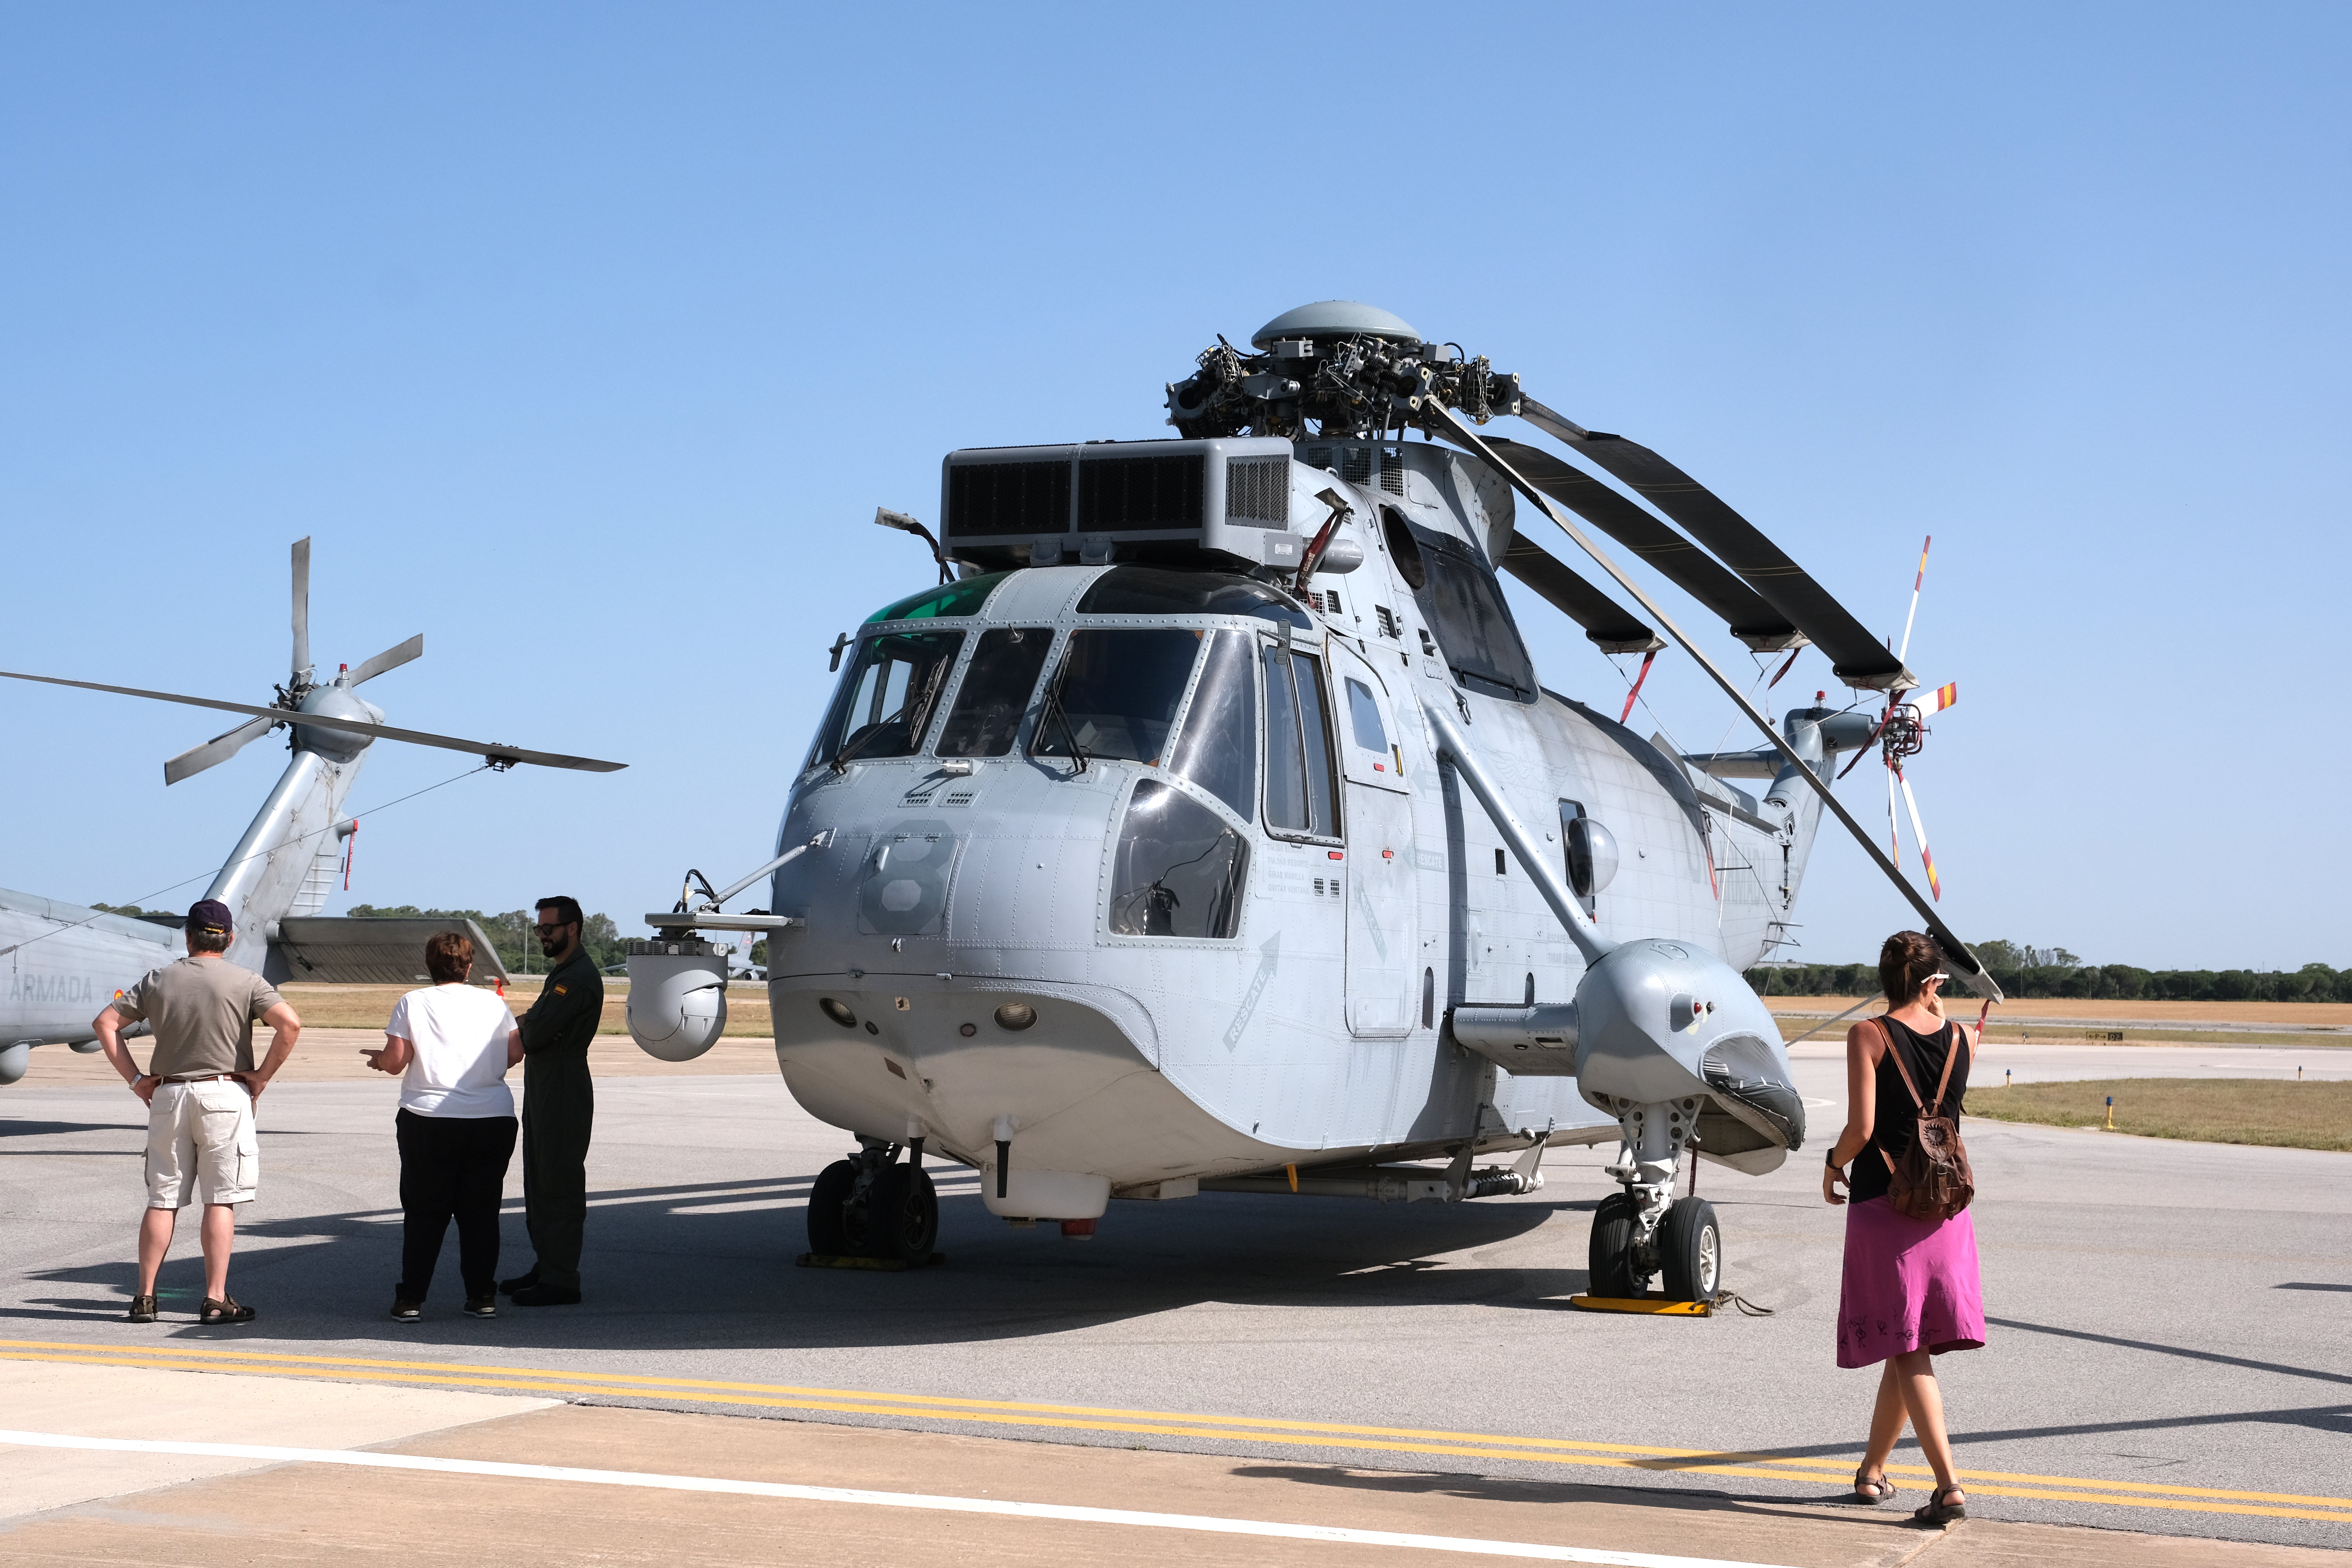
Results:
<point x="519" y="1282"/>
<point x="407" y="1312"/>
<point x="547" y="1296"/>
<point x="142" y="1310"/>
<point x="482" y="1306"/>
<point x="225" y="1313"/>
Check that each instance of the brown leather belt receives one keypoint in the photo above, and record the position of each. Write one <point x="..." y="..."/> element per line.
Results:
<point x="201" y="1077"/>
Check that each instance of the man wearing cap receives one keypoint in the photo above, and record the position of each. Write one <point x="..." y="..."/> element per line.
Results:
<point x="199" y="1090"/>
<point x="559" y="1105"/>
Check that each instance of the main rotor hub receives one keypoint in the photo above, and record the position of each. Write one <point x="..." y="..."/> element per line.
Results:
<point x="1340" y="367"/>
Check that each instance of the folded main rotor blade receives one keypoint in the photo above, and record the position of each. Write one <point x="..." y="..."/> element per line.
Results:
<point x="219" y="749"/>
<point x="1680" y="561"/>
<point x="302" y="608"/>
<point x="1970" y="969"/>
<point x="1857" y="658"/>
<point x="489" y="750"/>
<point x="1605" y="623"/>
<point x="390" y="658"/>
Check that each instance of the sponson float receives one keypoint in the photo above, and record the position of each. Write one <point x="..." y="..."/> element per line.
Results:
<point x="1207" y="827"/>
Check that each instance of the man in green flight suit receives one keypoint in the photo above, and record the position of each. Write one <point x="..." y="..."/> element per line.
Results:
<point x="559" y="1103"/>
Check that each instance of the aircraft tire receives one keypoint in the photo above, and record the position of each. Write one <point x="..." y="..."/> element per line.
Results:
<point x="1610" y="1255"/>
<point x="902" y="1214"/>
<point x="826" y="1227"/>
<point x="1690" y="1246"/>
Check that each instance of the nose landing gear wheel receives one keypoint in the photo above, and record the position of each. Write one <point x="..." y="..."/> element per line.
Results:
<point x="826" y="1196"/>
<point x="902" y="1216"/>
<point x="1690" y="1244"/>
<point x="1610" y="1255"/>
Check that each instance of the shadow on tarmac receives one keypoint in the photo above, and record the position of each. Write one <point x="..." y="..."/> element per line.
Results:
<point x="714" y="1264"/>
<point x="1503" y="1489"/>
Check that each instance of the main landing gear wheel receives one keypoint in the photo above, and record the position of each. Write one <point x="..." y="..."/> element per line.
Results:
<point x="901" y="1217"/>
<point x="1690" y="1246"/>
<point x="826" y="1197"/>
<point x="1610" y="1257"/>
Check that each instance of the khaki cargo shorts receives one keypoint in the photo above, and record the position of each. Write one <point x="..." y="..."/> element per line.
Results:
<point x="201" y="1145"/>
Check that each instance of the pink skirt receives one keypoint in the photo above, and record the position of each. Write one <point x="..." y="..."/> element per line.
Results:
<point x="1909" y="1286"/>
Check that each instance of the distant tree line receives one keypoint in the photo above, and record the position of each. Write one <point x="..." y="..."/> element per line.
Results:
<point x="509" y="932"/>
<point x="2023" y="972"/>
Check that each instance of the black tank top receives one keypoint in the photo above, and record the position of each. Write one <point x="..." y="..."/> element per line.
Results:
<point x="1898" y="1116"/>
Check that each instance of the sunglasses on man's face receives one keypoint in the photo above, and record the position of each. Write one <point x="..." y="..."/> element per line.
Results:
<point x="547" y="930"/>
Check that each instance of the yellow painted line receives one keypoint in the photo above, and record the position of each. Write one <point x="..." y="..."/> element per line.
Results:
<point x="1076" y="1417"/>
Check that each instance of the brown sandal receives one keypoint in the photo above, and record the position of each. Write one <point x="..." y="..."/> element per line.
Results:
<point x="142" y="1310"/>
<point x="225" y="1313"/>
<point x="1937" y="1513"/>
<point x="1872" y="1490"/>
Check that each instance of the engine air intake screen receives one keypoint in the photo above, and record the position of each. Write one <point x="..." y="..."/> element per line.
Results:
<point x="1115" y="494"/>
<point x="1008" y="497"/>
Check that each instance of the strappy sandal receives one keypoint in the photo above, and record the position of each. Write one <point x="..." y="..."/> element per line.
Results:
<point x="1937" y="1513"/>
<point x="1872" y="1490"/>
<point x="224" y="1313"/>
<point x="142" y="1310"/>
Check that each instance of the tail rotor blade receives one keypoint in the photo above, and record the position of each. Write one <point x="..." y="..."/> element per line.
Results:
<point x="1935" y="883"/>
<point x="1893" y="834"/>
<point x="301" y="609"/>
<point x="1905" y="651"/>
<point x="218" y="750"/>
<point x="390" y="658"/>
<point x="1928" y="704"/>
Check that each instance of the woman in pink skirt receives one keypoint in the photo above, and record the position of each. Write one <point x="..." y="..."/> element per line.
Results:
<point x="1910" y="1291"/>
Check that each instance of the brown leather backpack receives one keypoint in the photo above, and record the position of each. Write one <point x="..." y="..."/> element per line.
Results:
<point x="1932" y="1181"/>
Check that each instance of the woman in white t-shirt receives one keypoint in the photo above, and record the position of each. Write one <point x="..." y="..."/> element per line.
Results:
<point x="454" y="1044"/>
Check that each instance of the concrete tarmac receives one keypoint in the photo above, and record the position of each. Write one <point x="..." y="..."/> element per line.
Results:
<point x="2168" y="1354"/>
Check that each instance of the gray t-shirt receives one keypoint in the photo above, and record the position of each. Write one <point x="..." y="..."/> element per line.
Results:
<point x="202" y="1010"/>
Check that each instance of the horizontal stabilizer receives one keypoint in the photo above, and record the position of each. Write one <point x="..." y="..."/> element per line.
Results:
<point x="1610" y="627"/>
<point x="360" y="952"/>
<point x="1763" y="763"/>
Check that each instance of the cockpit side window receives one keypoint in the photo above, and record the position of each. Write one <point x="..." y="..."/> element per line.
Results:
<point x="1178" y="867"/>
<point x="1464" y="606"/>
<point x="1115" y="694"/>
<point x="1218" y="746"/>
<point x="989" y="706"/>
<point x="887" y="698"/>
<point x="1300" y="796"/>
<point x="1364" y="718"/>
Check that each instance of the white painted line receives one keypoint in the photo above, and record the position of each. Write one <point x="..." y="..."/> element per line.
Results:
<point x="877" y="1499"/>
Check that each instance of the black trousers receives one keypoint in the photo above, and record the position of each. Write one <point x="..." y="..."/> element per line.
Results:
<point x="451" y="1167"/>
<point x="559" y="1112"/>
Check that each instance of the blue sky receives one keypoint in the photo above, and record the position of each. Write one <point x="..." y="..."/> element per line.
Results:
<point x="586" y="338"/>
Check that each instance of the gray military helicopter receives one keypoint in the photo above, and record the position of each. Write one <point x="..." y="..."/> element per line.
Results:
<point x="66" y="960"/>
<point x="1207" y="828"/>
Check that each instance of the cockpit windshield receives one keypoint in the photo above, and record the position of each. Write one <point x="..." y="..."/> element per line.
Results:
<point x="995" y="691"/>
<point x="1115" y="694"/>
<point x="886" y="699"/>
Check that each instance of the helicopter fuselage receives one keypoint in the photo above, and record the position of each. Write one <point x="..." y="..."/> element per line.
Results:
<point x="1134" y="875"/>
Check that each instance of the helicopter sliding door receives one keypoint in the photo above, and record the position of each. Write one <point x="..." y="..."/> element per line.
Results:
<point x="1382" y="952"/>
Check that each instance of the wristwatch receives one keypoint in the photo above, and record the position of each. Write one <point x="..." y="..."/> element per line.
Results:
<point x="1832" y="1159"/>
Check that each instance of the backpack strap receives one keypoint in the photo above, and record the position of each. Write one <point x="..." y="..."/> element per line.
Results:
<point x="1894" y="1051"/>
<point x="1953" y="1041"/>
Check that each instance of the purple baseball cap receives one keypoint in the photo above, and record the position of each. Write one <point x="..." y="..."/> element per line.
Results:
<point x="211" y="917"/>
